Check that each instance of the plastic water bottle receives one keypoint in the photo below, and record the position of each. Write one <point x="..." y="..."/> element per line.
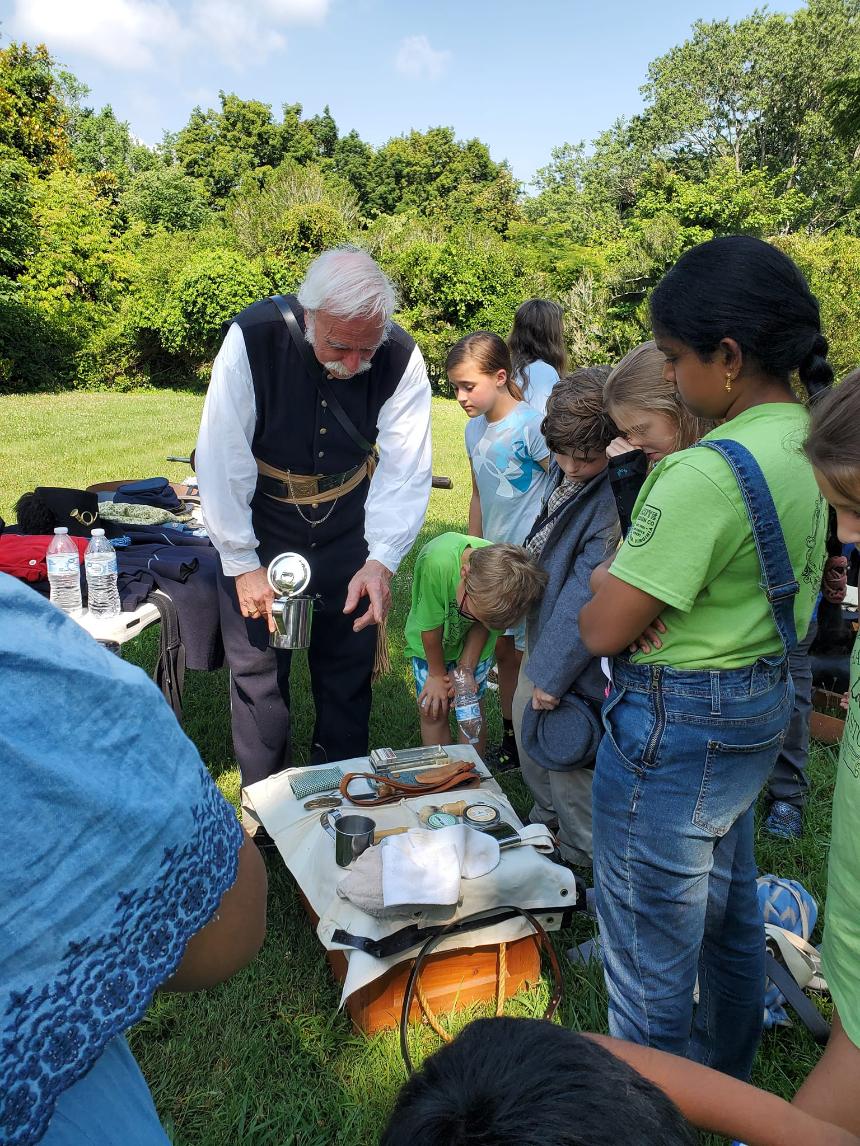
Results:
<point x="64" y="572"/>
<point x="467" y="706"/>
<point x="100" y="562"/>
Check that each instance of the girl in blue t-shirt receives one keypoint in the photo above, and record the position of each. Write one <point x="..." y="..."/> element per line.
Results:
<point x="693" y="728"/>
<point x="509" y="460"/>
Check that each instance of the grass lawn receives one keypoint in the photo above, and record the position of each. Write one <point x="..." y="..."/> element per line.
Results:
<point x="267" y="1059"/>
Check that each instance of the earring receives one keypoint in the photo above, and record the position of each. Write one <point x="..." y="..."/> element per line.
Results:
<point x="728" y="383"/>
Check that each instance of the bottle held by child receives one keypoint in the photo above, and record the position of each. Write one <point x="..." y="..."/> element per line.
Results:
<point x="64" y="572"/>
<point x="467" y="705"/>
<point x="100" y="564"/>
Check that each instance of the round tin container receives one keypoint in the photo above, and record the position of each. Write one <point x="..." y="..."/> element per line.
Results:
<point x="481" y="815"/>
<point x="441" y="820"/>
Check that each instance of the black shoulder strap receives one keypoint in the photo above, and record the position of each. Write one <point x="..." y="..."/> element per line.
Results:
<point x="803" y="1007"/>
<point x="169" y="672"/>
<point x="284" y="303"/>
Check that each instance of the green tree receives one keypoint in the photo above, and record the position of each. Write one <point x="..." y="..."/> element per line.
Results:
<point x="218" y="147"/>
<point x="18" y="236"/>
<point x="102" y="144"/>
<point x="293" y="216"/>
<point x="166" y="197"/>
<point x="324" y="130"/>
<point x="352" y="160"/>
<point x="32" y="116"/>
<point x="437" y="175"/>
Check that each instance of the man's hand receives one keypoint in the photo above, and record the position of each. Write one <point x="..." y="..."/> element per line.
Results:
<point x="255" y="596"/>
<point x="544" y="701"/>
<point x="372" y="581"/>
<point x="618" y="446"/>
<point x="433" y="701"/>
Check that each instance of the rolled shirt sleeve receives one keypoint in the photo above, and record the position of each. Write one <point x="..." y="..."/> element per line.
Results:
<point x="224" y="462"/>
<point x="400" y="487"/>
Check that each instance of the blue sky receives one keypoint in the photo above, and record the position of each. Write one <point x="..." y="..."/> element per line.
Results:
<point x="522" y="76"/>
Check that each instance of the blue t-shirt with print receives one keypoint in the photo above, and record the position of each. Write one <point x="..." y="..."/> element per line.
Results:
<point x="506" y="457"/>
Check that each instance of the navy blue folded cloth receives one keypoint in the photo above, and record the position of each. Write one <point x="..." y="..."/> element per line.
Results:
<point x="155" y="491"/>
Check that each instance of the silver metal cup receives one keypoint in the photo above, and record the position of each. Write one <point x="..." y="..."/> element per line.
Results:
<point x="352" y="835"/>
<point x="293" y="617"/>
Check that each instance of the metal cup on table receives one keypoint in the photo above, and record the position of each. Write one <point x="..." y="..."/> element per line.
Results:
<point x="352" y="835"/>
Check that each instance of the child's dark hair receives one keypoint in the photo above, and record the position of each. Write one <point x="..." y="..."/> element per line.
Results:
<point x="833" y="442"/>
<point x="529" y="1083"/>
<point x="489" y="353"/>
<point x="743" y="288"/>
<point x="538" y="333"/>
<point x="577" y="422"/>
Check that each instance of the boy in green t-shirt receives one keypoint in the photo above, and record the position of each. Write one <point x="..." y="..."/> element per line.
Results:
<point x="465" y="591"/>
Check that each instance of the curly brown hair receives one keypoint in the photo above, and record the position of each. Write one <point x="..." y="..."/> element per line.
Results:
<point x="576" y="421"/>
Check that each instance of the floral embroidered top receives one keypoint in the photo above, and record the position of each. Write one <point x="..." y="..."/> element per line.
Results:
<point x="117" y="849"/>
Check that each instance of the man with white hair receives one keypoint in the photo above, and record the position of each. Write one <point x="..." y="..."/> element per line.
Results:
<point x="301" y="391"/>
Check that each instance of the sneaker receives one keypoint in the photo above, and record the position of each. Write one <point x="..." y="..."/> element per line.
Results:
<point x="784" y="820"/>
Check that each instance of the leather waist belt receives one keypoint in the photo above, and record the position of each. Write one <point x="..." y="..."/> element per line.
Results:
<point x="302" y="489"/>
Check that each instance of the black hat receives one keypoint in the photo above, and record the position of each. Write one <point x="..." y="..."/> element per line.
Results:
<point x="50" y="506"/>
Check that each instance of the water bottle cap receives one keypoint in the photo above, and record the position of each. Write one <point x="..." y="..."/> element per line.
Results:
<point x="61" y="529"/>
<point x="98" y="533"/>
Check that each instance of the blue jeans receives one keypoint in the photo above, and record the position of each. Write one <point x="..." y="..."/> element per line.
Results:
<point x="676" y="778"/>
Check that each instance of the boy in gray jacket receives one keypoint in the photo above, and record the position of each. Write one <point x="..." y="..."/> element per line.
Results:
<point x="561" y="686"/>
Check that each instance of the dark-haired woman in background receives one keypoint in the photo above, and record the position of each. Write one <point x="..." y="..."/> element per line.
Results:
<point x="693" y="728"/>
<point x="538" y="355"/>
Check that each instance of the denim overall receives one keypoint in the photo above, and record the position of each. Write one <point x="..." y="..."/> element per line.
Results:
<point x="684" y="756"/>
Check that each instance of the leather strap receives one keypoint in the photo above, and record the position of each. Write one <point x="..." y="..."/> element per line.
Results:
<point x="169" y="671"/>
<point x="461" y="775"/>
<point x="412" y="935"/>
<point x="285" y="304"/>
<point x="803" y="1007"/>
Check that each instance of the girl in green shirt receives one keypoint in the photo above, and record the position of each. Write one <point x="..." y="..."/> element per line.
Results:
<point x="694" y="727"/>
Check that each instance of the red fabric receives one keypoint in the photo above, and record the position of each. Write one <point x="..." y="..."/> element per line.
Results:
<point x="23" y="554"/>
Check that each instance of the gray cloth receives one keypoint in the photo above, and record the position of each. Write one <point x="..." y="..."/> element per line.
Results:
<point x="558" y="661"/>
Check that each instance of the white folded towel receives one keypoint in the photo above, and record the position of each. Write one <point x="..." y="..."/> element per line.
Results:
<point x="425" y="867"/>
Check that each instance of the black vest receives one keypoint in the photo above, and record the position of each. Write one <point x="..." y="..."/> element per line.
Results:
<point x="295" y="430"/>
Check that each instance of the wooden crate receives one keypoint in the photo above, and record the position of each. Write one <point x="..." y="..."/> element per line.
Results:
<point x="824" y="725"/>
<point x="451" y="980"/>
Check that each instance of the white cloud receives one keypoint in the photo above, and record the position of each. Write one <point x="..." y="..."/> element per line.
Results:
<point x="122" y="33"/>
<point x="296" y="11"/>
<point x="417" y="58"/>
<point x="235" y="32"/>
<point x="136" y="34"/>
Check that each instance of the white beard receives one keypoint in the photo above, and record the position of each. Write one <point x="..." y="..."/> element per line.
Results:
<point x="336" y="369"/>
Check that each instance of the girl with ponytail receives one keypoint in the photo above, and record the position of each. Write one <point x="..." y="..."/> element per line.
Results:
<point x="727" y="549"/>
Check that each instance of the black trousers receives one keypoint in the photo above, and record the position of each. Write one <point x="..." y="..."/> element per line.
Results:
<point x="340" y="660"/>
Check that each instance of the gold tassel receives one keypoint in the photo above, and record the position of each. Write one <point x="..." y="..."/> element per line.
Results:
<point x="382" y="660"/>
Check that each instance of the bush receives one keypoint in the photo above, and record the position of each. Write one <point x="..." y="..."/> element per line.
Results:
<point x="36" y="351"/>
<point x="210" y="290"/>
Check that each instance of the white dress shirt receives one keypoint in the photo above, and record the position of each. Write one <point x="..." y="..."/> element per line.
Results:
<point x="227" y="471"/>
